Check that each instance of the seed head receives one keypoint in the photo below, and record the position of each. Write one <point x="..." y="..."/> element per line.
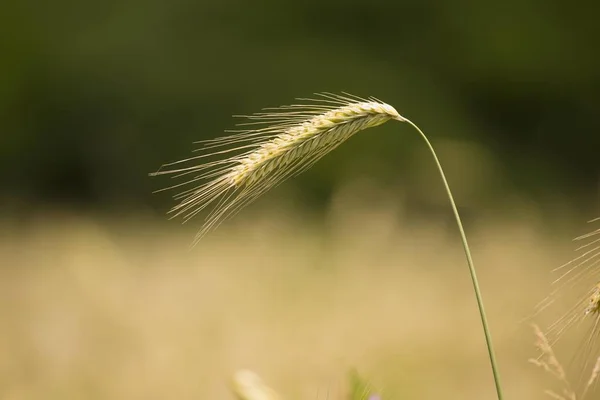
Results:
<point x="278" y="143"/>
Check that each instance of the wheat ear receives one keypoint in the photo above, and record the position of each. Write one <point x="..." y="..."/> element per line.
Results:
<point x="278" y="144"/>
<point x="283" y="142"/>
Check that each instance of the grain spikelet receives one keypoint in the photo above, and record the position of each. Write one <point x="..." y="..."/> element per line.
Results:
<point x="234" y="170"/>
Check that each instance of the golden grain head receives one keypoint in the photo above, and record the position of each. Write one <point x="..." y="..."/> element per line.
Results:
<point x="234" y="170"/>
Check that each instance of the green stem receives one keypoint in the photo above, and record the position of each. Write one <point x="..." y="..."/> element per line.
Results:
<point x="486" y="330"/>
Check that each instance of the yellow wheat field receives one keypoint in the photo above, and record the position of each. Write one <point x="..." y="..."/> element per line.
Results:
<point x="104" y="308"/>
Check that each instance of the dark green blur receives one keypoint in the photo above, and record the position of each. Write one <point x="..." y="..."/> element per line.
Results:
<point x="94" y="95"/>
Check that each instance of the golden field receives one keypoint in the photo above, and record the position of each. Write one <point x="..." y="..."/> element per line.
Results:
<point x="105" y="307"/>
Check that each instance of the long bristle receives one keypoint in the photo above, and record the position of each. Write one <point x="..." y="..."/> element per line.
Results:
<point x="275" y="144"/>
<point x="582" y="275"/>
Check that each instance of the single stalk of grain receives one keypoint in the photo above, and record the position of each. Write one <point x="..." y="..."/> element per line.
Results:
<point x="283" y="142"/>
<point x="278" y="144"/>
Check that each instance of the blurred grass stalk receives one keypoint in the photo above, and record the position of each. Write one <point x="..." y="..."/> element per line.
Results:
<point x="247" y="385"/>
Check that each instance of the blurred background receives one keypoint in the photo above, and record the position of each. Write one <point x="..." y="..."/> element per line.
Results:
<point x="355" y="263"/>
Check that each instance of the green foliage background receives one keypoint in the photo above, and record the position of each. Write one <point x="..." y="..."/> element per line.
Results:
<point x="96" y="94"/>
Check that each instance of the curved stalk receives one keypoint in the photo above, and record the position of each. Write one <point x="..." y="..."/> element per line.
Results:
<point x="486" y="330"/>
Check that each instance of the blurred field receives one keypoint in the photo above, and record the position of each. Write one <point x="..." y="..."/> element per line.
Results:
<point x="119" y="308"/>
<point x="112" y="304"/>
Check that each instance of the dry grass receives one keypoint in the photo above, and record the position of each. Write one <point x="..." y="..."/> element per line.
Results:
<point x="94" y="308"/>
<point x="577" y="279"/>
<point x="549" y="363"/>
